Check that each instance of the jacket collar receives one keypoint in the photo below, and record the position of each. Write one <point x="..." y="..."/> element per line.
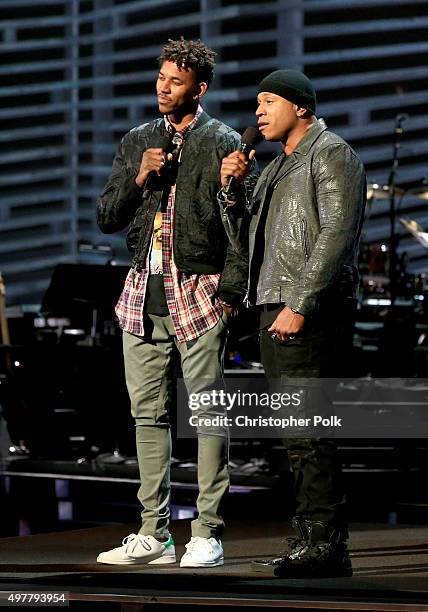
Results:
<point x="303" y="147"/>
<point x="170" y="128"/>
<point x="202" y="120"/>
<point x="310" y="137"/>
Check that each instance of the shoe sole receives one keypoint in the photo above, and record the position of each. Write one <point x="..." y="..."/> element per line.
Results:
<point x="163" y="560"/>
<point x="268" y="570"/>
<point x="130" y="561"/>
<point x="208" y="564"/>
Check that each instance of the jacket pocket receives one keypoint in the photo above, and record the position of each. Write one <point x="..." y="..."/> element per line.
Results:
<point x="305" y="239"/>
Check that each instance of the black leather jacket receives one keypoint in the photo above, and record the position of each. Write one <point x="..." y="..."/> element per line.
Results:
<point x="200" y="243"/>
<point x="312" y="239"/>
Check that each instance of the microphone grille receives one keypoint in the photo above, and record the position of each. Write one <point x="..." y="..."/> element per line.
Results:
<point x="251" y="136"/>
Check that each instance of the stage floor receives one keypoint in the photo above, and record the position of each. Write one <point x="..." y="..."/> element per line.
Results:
<point x="390" y="568"/>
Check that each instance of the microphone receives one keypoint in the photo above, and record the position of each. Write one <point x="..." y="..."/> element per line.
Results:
<point x="249" y="139"/>
<point x="401" y="117"/>
<point x="398" y="129"/>
<point x="161" y="142"/>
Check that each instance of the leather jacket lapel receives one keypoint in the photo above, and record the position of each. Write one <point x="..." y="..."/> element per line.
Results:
<point x="297" y="158"/>
<point x="293" y="161"/>
<point x="259" y="194"/>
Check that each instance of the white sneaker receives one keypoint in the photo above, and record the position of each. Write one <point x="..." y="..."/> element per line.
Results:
<point x="202" y="552"/>
<point x="140" y="549"/>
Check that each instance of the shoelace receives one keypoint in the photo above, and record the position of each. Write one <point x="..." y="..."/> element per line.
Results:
<point x="292" y="543"/>
<point x="131" y="542"/>
<point x="314" y="550"/>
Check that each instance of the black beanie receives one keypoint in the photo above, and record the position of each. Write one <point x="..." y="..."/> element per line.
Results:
<point x="291" y="85"/>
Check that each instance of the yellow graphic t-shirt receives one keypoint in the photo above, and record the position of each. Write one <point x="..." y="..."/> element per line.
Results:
<point x="156" y="251"/>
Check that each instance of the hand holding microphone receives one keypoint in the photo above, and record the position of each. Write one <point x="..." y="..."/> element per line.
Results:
<point x="152" y="162"/>
<point x="235" y="167"/>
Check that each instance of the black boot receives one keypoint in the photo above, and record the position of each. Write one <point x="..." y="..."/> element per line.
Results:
<point x="293" y="545"/>
<point x="324" y="556"/>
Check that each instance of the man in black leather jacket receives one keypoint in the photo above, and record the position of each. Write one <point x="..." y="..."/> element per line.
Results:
<point x="306" y="217"/>
<point x="184" y="282"/>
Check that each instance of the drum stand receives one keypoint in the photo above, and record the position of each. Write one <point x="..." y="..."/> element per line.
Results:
<point x="398" y="133"/>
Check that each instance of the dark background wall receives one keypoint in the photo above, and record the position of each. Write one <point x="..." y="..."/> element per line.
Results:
<point x="75" y="75"/>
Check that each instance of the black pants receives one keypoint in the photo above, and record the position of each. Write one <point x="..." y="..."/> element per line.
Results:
<point x="319" y="352"/>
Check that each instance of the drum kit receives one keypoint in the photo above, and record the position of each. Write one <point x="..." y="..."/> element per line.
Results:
<point x="375" y="258"/>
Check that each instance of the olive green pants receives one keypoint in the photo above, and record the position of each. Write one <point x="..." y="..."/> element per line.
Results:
<point x="150" y="379"/>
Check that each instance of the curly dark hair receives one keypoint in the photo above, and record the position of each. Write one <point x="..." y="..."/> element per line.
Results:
<point x="190" y="54"/>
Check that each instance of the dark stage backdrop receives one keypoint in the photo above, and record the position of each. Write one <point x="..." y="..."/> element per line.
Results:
<point x="75" y="75"/>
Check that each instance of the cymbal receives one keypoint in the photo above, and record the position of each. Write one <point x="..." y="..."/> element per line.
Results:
<point x="382" y="192"/>
<point x="415" y="229"/>
<point x="420" y="192"/>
